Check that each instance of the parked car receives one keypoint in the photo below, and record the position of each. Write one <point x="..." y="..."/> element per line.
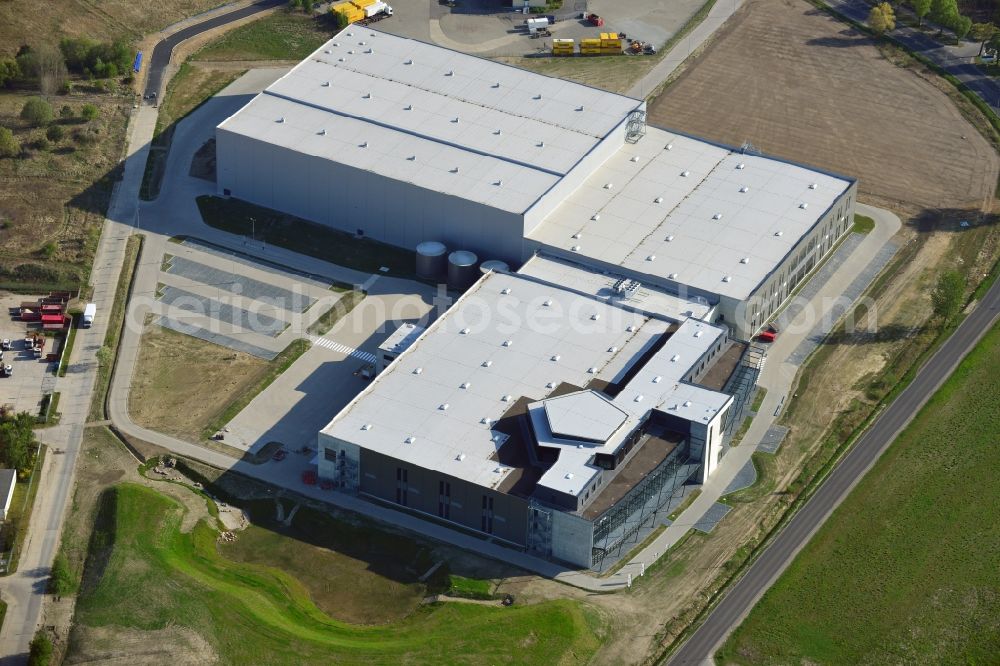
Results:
<point x="8" y="371"/>
<point x="769" y="334"/>
<point x="5" y="345"/>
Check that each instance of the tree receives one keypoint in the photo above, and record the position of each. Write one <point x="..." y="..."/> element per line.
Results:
<point x="982" y="33"/>
<point x="9" y="147"/>
<point x="40" y="651"/>
<point x="89" y="112"/>
<point x="17" y="442"/>
<point x="882" y="18"/>
<point x="61" y="581"/>
<point x="36" y="112"/>
<point x="45" y="64"/>
<point x="339" y="19"/>
<point x="55" y="133"/>
<point x="921" y="8"/>
<point x="947" y="298"/>
<point x="9" y="71"/>
<point x="962" y="26"/>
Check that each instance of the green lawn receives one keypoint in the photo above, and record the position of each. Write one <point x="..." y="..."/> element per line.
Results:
<point x="314" y="240"/>
<point x="470" y="588"/>
<point x="145" y="574"/>
<point x="906" y="570"/>
<point x="280" y="36"/>
<point x="863" y="224"/>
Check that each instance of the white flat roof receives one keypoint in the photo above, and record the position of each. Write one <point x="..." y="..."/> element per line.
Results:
<point x="671" y="204"/>
<point x="500" y="347"/>
<point x="401" y="338"/>
<point x="441" y="119"/>
<point x="601" y="284"/>
<point x="583" y="415"/>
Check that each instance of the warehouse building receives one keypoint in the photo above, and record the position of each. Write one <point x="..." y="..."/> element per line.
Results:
<point x="552" y="419"/>
<point x="404" y="142"/>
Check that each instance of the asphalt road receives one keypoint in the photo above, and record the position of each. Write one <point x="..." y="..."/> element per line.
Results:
<point x="162" y="51"/>
<point x="741" y="598"/>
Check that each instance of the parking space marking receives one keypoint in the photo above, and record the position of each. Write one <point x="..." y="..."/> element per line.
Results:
<point x="343" y="349"/>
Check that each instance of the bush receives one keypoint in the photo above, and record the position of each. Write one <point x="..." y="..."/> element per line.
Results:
<point x="84" y="138"/>
<point x="40" y="652"/>
<point x="41" y="143"/>
<point x="36" y="112"/>
<point x="9" y="147"/>
<point x="90" y="56"/>
<point x="66" y="112"/>
<point x="89" y="112"/>
<point x="55" y="133"/>
<point x="61" y="581"/>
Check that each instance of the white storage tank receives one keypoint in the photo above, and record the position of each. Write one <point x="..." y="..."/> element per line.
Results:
<point x="494" y="265"/>
<point x="462" y="269"/>
<point x="431" y="259"/>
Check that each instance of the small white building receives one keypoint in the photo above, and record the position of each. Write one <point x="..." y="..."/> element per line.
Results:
<point x="8" y="480"/>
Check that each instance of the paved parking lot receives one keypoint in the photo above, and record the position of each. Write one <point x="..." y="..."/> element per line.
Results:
<point x="228" y="299"/>
<point x="31" y="377"/>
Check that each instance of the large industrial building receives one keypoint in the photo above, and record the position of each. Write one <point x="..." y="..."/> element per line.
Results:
<point x="558" y="407"/>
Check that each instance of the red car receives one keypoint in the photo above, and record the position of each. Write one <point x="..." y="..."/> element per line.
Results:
<point x="279" y="455"/>
<point x="769" y="334"/>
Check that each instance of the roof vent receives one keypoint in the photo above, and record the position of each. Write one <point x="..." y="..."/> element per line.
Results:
<point x="569" y="475"/>
<point x="322" y="132"/>
<point x="635" y="158"/>
<point x="485" y="420"/>
<point x="508" y="343"/>
<point x="580" y="108"/>
<point x="778" y="233"/>
<point x="496" y="85"/>
<point x="745" y="260"/>
<point x="609" y="186"/>
<point x="813" y="186"/>
<point x="541" y="144"/>
<point x="672" y="276"/>
<point x="450" y="73"/>
<point x="363" y="144"/>
<point x="362" y="43"/>
<point x="670" y="146"/>
<point x="367" y="426"/>
<point x="741" y="166"/>
<point x="465" y="385"/>
<point x="658" y="200"/>
<point x="595" y="316"/>
<point x="577" y="235"/>
<point x="555" y="357"/>
<point x="408" y="107"/>
<point x="506" y="398"/>
<point x="327" y="51"/>
<point x="350" y="34"/>
<point x="550" y="385"/>
<point x="369" y="51"/>
<point x="591" y="370"/>
<point x="487" y="364"/>
<point x="408" y="61"/>
<point x="410" y="439"/>
<point x="351" y="52"/>
<point x="340" y="60"/>
<point x="698" y="333"/>
<point x="455" y="170"/>
<point x="281" y="119"/>
<point x="803" y="205"/>
<point x="464" y="331"/>
<point x="505" y="291"/>
<point x="612" y="349"/>
<point x="575" y="248"/>
<point x="443" y="406"/>
<point x="685" y="174"/>
<point x="657" y="379"/>
<point x="670" y="237"/>
<point x="687" y="403"/>
<point x="460" y="457"/>
<point x="547" y="302"/>
<point x="675" y="358"/>
<point x="326" y="84"/>
<point x="630" y="328"/>
<point x="498" y="132"/>
<point x="638" y="398"/>
<point x="455" y="119"/>
<point x="417" y="371"/>
<point x="538" y="96"/>
<point x="717" y="216"/>
<point x="412" y="158"/>
<point x="651" y="257"/>
<point x="744" y="189"/>
<point x="727" y="278"/>
<point x="498" y="183"/>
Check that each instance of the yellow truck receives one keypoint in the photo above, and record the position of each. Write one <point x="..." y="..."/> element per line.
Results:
<point x="362" y="12"/>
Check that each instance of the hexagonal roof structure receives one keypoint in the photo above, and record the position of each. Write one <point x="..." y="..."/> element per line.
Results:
<point x="585" y="415"/>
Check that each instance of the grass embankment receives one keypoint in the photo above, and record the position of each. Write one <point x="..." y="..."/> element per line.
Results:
<point x="314" y="240"/>
<point x="340" y="309"/>
<point x="748" y="419"/>
<point x="469" y="588"/>
<point x="281" y="362"/>
<point x="905" y="569"/>
<point x="116" y="322"/>
<point x="281" y="36"/>
<point x="143" y="573"/>
<point x="190" y="87"/>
